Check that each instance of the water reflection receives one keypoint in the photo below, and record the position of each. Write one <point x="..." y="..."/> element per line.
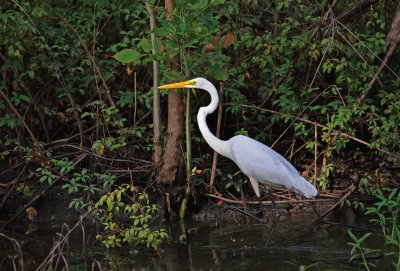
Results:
<point x="216" y="246"/>
<point x="242" y="247"/>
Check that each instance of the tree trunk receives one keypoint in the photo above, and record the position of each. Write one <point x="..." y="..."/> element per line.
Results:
<point x="173" y="162"/>
<point x="173" y="155"/>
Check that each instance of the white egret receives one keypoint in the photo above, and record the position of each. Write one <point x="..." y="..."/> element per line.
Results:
<point x="258" y="161"/>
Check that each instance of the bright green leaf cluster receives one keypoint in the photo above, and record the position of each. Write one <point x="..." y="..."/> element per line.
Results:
<point x="125" y="200"/>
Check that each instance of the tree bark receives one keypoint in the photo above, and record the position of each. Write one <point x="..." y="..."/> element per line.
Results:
<point x="173" y="162"/>
<point x="173" y="156"/>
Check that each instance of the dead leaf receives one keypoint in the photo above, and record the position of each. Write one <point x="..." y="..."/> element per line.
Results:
<point x="100" y="150"/>
<point x="361" y="160"/>
<point x="61" y="117"/>
<point x="31" y="213"/>
<point x="248" y="76"/>
<point x="305" y="173"/>
<point x="229" y="39"/>
<point x="129" y="71"/>
<point x="209" y="47"/>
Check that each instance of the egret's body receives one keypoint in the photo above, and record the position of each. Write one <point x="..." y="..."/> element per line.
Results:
<point x="267" y="166"/>
<point x="258" y="161"/>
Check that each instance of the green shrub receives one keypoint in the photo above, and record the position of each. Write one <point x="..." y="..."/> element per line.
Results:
<point x="126" y="202"/>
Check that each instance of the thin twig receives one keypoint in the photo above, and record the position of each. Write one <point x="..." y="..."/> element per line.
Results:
<point x="156" y="94"/>
<point x="5" y="97"/>
<point x="218" y="135"/>
<point x="315" y="154"/>
<point x="18" y="249"/>
<point x="60" y="242"/>
<point x="13" y="185"/>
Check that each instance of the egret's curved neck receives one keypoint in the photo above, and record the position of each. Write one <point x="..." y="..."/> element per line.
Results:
<point x="220" y="146"/>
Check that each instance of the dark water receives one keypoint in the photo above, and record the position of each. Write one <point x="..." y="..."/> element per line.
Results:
<point x="210" y="246"/>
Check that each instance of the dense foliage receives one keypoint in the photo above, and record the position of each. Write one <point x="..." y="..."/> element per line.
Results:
<point x="295" y="75"/>
<point x="385" y="213"/>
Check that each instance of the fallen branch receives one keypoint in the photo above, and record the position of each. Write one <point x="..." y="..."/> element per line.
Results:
<point x="268" y="202"/>
<point x="342" y="199"/>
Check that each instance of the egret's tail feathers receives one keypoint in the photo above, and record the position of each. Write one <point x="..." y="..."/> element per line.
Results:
<point x="306" y="189"/>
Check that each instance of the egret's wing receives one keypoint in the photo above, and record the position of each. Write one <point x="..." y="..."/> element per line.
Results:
<point x="261" y="162"/>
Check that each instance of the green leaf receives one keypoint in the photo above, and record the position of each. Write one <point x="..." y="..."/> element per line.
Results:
<point x="364" y="237"/>
<point x="85" y="114"/>
<point x="43" y="178"/>
<point x="174" y="75"/>
<point x="172" y="44"/>
<point x="352" y="235"/>
<point x="127" y="56"/>
<point x="392" y="194"/>
<point x="109" y="202"/>
<point x="200" y="4"/>
<point x="173" y="52"/>
<point x="146" y="45"/>
<point x="158" y="45"/>
<point x="160" y="31"/>
<point x="218" y="72"/>
<point x="11" y="123"/>
<point x="354" y="256"/>
<point x="24" y="98"/>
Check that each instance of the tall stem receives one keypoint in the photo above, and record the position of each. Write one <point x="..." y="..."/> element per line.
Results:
<point x="188" y="143"/>
<point x="188" y="157"/>
<point x="156" y="94"/>
<point x="188" y="139"/>
<point x="217" y="134"/>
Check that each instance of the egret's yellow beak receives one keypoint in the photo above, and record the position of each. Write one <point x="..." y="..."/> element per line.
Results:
<point x="178" y="85"/>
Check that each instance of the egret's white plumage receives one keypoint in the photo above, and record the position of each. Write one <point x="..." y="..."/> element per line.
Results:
<point x="258" y="161"/>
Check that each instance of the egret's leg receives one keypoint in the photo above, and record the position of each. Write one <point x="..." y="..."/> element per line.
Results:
<point x="277" y="213"/>
<point x="256" y="188"/>
<point x="315" y="210"/>
<point x="275" y="219"/>
<point x="260" y="205"/>
<point x="271" y="231"/>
